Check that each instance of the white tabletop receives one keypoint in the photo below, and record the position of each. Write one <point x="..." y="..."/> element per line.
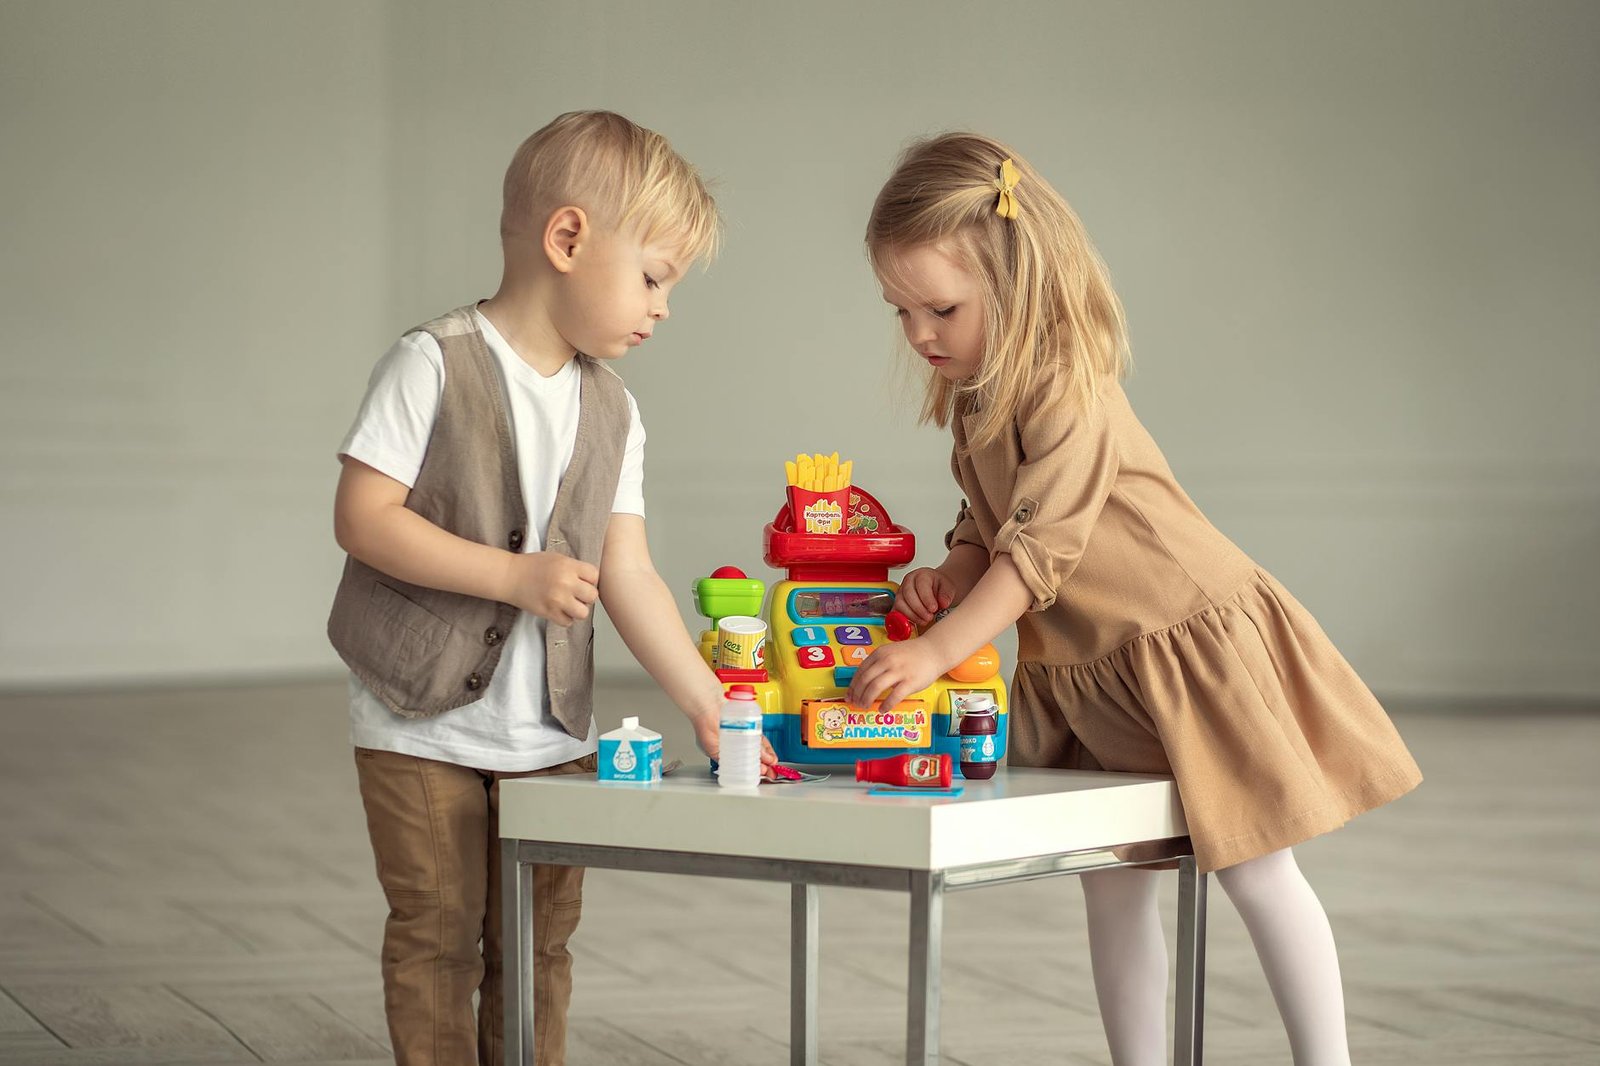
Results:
<point x="1016" y="814"/>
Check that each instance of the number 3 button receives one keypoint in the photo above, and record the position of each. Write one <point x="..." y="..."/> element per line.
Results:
<point x="815" y="658"/>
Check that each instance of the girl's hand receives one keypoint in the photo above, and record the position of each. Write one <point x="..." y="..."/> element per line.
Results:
<point x="898" y="670"/>
<point x="705" y="737"/>
<point x="924" y="593"/>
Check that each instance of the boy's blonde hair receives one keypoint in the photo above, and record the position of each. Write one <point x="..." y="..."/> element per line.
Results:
<point x="620" y="173"/>
<point x="1047" y="295"/>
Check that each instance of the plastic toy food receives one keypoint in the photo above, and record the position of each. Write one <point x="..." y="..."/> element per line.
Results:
<point x="819" y="473"/>
<point x="918" y="771"/>
<point x="819" y="492"/>
<point x="741" y="642"/>
<point x="977" y="728"/>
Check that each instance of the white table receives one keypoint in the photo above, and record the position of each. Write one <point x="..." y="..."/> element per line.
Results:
<point x="1020" y="825"/>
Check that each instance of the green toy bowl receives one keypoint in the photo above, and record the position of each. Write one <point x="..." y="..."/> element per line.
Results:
<point x="718" y="597"/>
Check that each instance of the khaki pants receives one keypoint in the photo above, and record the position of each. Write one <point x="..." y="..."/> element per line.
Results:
<point x="435" y="834"/>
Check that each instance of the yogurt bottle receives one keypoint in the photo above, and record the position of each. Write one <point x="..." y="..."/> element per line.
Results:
<point x="979" y="724"/>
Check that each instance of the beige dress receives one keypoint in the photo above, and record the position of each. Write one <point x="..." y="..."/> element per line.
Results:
<point x="1155" y="645"/>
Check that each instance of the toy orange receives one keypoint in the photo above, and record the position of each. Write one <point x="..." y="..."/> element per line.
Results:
<point x="981" y="665"/>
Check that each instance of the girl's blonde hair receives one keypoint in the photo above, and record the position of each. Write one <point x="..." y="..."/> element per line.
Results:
<point x="1048" y="299"/>
<point x="619" y="173"/>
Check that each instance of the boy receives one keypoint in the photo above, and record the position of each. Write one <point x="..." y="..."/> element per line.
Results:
<point x="491" y="492"/>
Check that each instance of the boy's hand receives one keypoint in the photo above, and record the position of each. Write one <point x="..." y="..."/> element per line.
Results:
<point x="924" y="593"/>
<point x="705" y="735"/>
<point x="555" y="587"/>
<point x="897" y="670"/>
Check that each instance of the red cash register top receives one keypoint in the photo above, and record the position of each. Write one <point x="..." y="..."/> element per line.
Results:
<point x="870" y="547"/>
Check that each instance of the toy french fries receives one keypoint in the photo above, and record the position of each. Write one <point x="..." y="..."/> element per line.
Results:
<point x="819" y="492"/>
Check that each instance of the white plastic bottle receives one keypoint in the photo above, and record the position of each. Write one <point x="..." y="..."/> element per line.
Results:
<point x="739" y="739"/>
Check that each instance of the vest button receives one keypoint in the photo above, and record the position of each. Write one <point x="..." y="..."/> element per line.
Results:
<point x="516" y="540"/>
<point x="491" y="636"/>
<point x="474" y="682"/>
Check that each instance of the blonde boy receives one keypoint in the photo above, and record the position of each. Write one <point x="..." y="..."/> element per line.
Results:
<point x="491" y="493"/>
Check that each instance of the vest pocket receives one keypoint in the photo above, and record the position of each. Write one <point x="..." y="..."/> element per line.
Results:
<point x="412" y="636"/>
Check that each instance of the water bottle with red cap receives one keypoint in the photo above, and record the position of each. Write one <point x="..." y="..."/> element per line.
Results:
<point x="739" y="739"/>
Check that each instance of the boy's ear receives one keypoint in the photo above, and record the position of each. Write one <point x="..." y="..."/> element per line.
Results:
<point x="564" y="234"/>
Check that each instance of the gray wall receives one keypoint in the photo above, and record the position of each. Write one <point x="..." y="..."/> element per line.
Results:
<point x="1359" y="247"/>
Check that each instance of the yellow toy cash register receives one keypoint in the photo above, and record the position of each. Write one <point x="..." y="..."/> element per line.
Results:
<point x="834" y="607"/>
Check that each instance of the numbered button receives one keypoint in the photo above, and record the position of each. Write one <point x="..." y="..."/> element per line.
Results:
<point x="854" y="654"/>
<point x="852" y="634"/>
<point x="815" y="658"/>
<point x="809" y="636"/>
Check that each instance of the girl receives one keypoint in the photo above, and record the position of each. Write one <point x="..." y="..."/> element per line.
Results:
<point x="1147" y="641"/>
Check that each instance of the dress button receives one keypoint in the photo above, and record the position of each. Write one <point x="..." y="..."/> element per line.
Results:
<point x="516" y="540"/>
<point x="474" y="682"/>
<point x="1023" y="514"/>
<point x="491" y="636"/>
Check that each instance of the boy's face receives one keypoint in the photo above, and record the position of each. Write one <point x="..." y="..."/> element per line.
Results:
<point x="616" y="293"/>
<point x="940" y="307"/>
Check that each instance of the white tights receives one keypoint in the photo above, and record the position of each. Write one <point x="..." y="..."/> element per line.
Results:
<point x="1287" y="925"/>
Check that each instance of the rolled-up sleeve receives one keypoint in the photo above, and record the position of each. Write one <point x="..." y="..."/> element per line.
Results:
<point x="1069" y="464"/>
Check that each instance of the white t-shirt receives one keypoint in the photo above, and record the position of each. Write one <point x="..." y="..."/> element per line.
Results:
<point x="510" y="727"/>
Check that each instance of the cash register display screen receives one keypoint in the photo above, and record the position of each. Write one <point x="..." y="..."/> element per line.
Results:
<point x="874" y="604"/>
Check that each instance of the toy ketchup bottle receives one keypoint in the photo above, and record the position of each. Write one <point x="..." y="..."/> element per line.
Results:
<point x="917" y="771"/>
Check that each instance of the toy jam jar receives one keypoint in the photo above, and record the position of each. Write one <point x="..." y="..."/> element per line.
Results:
<point x="978" y="724"/>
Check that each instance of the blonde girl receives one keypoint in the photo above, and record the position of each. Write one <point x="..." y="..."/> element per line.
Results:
<point x="1146" y="640"/>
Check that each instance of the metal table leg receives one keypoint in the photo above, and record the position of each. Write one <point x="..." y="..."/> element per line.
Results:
<point x="803" y="975"/>
<point x="516" y="923"/>
<point x="922" y="986"/>
<point x="1191" y="1000"/>
<point x="926" y="927"/>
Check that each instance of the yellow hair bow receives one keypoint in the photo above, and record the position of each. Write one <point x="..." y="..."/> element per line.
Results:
<point x="1006" y="182"/>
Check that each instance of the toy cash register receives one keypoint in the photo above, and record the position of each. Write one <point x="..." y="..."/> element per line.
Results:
<point x="837" y="545"/>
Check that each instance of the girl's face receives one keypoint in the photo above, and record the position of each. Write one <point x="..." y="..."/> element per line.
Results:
<point x="940" y="307"/>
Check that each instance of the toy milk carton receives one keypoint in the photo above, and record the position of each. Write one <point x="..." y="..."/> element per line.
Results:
<point x="631" y="754"/>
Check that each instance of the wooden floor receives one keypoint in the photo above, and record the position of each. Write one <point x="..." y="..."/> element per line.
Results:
<point x="185" y="878"/>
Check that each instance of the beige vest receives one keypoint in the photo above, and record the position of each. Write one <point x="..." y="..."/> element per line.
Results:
<point x="423" y="651"/>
